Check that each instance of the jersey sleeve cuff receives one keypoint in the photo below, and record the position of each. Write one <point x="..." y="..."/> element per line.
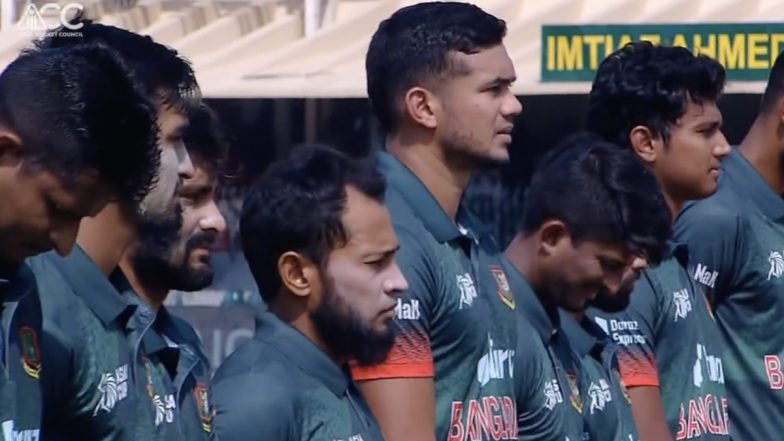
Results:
<point x="387" y="371"/>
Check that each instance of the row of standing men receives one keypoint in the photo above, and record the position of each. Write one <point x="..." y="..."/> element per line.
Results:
<point x="647" y="264"/>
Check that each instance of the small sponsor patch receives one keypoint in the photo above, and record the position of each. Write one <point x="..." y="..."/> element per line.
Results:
<point x="31" y="352"/>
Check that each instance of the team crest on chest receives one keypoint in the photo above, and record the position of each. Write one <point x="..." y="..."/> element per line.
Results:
<point x="201" y="395"/>
<point x="31" y="352"/>
<point x="576" y="399"/>
<point x="504" y="290"/>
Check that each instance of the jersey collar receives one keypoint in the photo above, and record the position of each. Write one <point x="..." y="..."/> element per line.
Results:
<point x="402" y="180"/>
<point x="89" y="283"/>
<point x="532" y="308"/>
<point x="293" y="345"/>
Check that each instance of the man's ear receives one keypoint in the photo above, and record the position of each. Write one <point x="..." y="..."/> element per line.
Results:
<point x="422" y="105"/>
<point x="297" y="273"/>
<point x="11" y="148"/>
<point x="552" y="235"/>
<point x="644" y="144"/>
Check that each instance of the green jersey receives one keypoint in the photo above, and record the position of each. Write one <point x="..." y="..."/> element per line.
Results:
<point x="20" y="363"/>
<point x="95" y="388"/>
<point x="608" y="412"/>
<point x="457" y="321"/>
<point x="543" y="413"/>
<point x="280" y="386"/>
<point x="668" y="338"/>
<point x="737" y="238"/>
<point x="177" y="370"/>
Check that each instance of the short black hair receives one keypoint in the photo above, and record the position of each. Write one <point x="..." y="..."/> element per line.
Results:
<point x="77" y="109"/>
<point x="297" y="205"/>
<point x="157" y="67"/>
<point x="204" y="137"/>
<point x="602" y="193"/>
<point x="775" y="87"/>
<point x="649" y="85"/>
<point x="412" y="48"/>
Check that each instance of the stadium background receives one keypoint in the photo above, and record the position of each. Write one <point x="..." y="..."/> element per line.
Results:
<point x="283" y="72"/>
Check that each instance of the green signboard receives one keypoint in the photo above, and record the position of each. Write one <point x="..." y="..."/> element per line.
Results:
<point x="747" y="50"/>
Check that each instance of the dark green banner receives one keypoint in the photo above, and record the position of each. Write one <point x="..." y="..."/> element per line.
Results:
<point x="747" y="50"/>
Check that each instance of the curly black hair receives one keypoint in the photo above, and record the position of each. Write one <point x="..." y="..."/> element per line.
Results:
<point x="643" y="84"/>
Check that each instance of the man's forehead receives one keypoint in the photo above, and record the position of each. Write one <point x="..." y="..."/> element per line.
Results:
<point x="492" y="62"/>
<point x="702" y="111"/>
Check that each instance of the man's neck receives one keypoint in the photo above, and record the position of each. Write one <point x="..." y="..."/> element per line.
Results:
<point x="674" y="204"/>
<point x="152" y="296"/>
<point x="522" y="252"/>
<point x="444" y="180"/>
<point x="299" y="319"/>
<point x="106" y="237"/>
<point x="762" y="148"/>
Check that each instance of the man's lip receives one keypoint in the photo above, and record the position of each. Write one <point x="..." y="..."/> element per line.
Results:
<point x="506" y="130"/>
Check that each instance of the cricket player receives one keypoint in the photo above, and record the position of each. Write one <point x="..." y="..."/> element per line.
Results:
<point x="321" y="246"/>
<point x="737" y="239"/>
<point x="439" y="80"/>
<point x="101" y="385"/>
<point x="166" y="258"/>
<point x="590" y="209"/>
<point x="65" y="152"/>
<point x="660" y="103"/>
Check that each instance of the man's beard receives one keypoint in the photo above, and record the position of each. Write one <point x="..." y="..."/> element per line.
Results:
<point x="154" y="258"/>
<point x="346" y="335"/>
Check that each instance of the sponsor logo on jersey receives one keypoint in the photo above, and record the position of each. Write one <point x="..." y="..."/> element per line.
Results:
<point x="11" y="434"/>
<point x="164" y="409"/>
<point x="707" y="367"/>
<point x="467" y="290"/>
<point x="488" y="418"/>
<point x="576" y="399"/>
<point x="357" y="437"/>
<point x="702" y="416"/>
<point x="682" y="303"/>
<point x="773" y="369"/>
<point x="31" y="352"/>
<point x="504" y="290"/>
<point x="407" y="310"/>
<point x="776" y="261"/>
<point x="202" y="397"/>
<point x="552" y="394"/>
<point x="112" y="387"/>
<point x="496" y="364"/>
<point x="705" y="276"/>
<point x="600" y="395"/>
<point x="623" y="332"/>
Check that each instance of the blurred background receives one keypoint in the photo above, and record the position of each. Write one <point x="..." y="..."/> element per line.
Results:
<point x="283" y="72"/>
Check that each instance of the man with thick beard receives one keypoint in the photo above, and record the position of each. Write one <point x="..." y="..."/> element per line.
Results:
<point x="321" y="246"/>
<point x="174" y="255"/>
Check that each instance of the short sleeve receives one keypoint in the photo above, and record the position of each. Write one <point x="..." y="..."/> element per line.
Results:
<point x="633" y="331"/>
